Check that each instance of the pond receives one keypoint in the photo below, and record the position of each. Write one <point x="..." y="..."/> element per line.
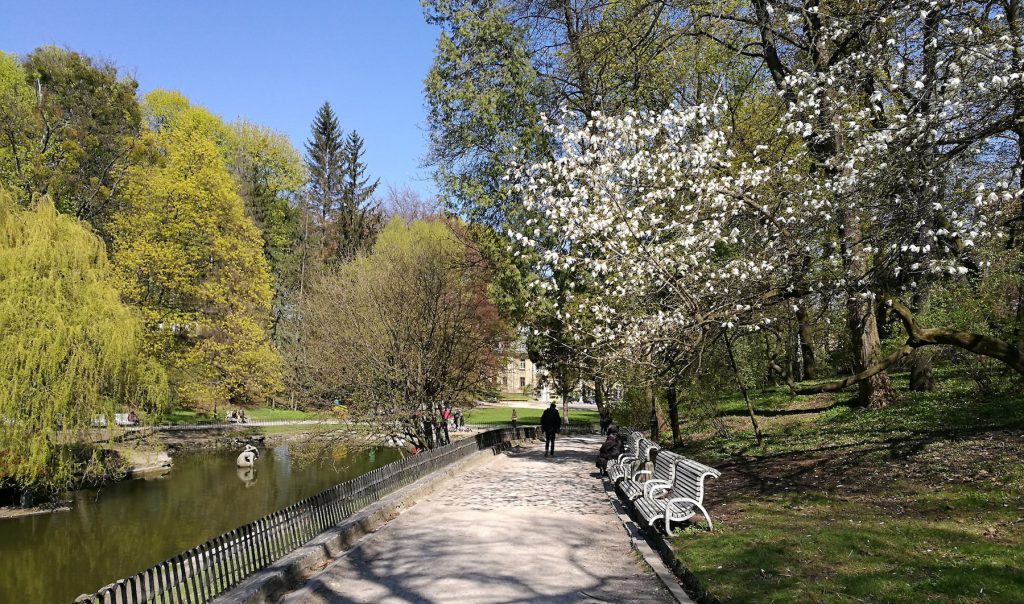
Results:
<point x="126" y="527"/>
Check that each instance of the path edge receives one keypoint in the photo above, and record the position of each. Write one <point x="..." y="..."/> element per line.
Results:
<point x="291" y="571"/>
<point x="657" y="552"/>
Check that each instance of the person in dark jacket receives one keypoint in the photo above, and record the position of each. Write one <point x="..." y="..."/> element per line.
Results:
<point x="550" y="424"/>
<point x="610" y="450"/>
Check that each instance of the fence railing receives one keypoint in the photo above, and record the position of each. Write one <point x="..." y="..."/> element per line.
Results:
<point x="208" y="570"/>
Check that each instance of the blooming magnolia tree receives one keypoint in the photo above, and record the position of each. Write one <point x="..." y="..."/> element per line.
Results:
<point x="895" y="159"/>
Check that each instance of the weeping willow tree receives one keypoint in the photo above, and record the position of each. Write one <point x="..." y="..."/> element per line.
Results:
<point x="69" y="348"/>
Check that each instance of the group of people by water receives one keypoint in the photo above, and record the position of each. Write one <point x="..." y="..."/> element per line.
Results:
<point x="453" y="418"/>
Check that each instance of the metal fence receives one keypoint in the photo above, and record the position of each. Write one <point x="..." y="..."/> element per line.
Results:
<point x="208" y="570"/>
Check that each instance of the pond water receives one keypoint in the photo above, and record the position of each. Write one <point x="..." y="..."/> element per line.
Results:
<point x="131" y="525"/>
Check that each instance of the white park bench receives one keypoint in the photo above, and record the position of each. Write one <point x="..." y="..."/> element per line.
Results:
<point x="124" y="419"/>
<point x="680" y="501"/>
<point x="621" y="467"/>
<point x="629" y="486"/>
<point x="645" y="483"/>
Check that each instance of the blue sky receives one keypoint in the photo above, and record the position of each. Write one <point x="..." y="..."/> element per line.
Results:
<point x="272" y="62"/>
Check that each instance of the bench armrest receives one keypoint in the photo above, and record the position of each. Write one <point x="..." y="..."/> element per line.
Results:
<point x="638" y="474"/>
<point x="695" y="503"/>
<point x="655" y="485"/>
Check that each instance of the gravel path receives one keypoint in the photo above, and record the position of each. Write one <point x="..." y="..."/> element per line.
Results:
<point x="519" y="528"/>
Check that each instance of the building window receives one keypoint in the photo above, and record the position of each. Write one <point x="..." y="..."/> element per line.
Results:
<point x="522" y="364"/>
<point x="522" y="383"/>
<point x="504" y="382"/>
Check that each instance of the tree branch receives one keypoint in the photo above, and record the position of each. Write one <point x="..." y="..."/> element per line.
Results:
<point x="918" y="337"/>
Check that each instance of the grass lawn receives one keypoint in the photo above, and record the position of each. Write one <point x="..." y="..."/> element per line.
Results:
<point x="513" y="396"/>
<point x="188" y="416"/>
<point x="920" y="502"/>
<point x="304" y="428"/>
<point x="487" y="416"/>
<point x="178" y="416"/>
<point x="268" y="414"/>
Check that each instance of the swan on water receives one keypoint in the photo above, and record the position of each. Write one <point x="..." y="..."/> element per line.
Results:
<point x="248" y="457"/>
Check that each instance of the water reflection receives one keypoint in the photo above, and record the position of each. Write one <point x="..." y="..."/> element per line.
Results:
<point x="124" y="528"/>
<point x="247" y="476"/>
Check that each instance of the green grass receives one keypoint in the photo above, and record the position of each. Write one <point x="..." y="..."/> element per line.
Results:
<point x="514" y="396"/>
<point x="268" y="414"/>
<point x="178" y="416"/>
<point x="187" y="416"/>
<point x="810" y="547"/>
<point x="288" y="429"/>
<point x="488" y="416"/>
<point x="922" y="501"/>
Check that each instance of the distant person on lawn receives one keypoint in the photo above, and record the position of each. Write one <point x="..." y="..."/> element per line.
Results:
<point x="515" y="419"/>
<point x="551" y="424"/>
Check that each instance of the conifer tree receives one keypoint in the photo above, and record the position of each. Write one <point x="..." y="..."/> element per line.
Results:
<point x="325" y="160"/>
<point x="358" y="220"/>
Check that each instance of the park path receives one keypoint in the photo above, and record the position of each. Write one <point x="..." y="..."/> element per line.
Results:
<point x="518" y="528"/>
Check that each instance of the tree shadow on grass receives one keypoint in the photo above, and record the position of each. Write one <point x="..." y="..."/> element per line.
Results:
<point x="825" y="557"/>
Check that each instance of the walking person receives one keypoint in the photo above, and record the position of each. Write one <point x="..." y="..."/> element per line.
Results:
<point x="606" y="420"/>
<point x="551" y="424"/>
<point x="515" y="420"/>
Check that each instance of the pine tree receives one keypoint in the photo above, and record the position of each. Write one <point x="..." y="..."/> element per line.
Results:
<point x="358" y="221"/>
<point x="326" y="163"/>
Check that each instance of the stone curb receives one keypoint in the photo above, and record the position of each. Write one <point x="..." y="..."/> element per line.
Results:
<point x="271" y="583"/>
<point x="646" y="539"/>
<point x="640" y="544"/>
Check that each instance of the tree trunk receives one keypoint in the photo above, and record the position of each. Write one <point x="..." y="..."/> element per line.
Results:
<point x="673" y="413"/>
<point x="810" y="365"/>
<point x="922" y="379"/>
<point x="599" y="393"/>
<point x="1019" y="329"/>
<point x="877" y="391"/>
<point x="861" y="319"/>
<point x="743" y="390"/>
<point x="428" y="433"/>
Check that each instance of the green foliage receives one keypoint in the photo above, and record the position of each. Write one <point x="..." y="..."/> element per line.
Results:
<point x="399" y="332"/>
<point x="17" y="126"/>
<point x="270" y="175"/>
<point x="86" y="121"/>
<point x="357" y="222"/>
<point x="188" y="256"/>
<point x="71" y="349"/>
<point x="325" y="162"/>
<point x="345" y="221"/>
<point x="483" y="107"/>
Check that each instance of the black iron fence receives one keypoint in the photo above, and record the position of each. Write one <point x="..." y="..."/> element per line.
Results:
<point x="208" y="570"/>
